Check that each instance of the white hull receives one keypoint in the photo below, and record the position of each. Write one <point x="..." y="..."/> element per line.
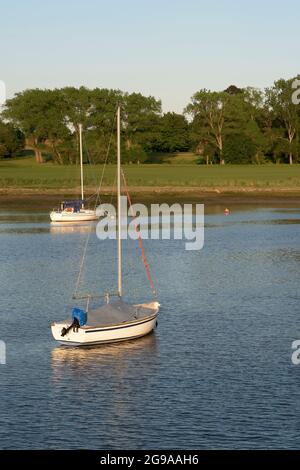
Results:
<point x="82" y="216"/>
<point x="92" y="335"/>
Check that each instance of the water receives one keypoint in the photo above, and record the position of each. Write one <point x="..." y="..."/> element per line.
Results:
<point x="217" y="372"/>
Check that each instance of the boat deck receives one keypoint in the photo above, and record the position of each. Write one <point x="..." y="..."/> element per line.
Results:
<point x="118" y="312"/>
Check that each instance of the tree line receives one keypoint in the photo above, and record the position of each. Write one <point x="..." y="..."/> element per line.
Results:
<point x="237" y="125"/>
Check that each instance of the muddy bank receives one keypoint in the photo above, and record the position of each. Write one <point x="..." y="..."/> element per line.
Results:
<point x="45" y="199"/>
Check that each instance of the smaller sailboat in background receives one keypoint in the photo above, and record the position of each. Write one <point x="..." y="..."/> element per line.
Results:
<point x="74" y="210"/>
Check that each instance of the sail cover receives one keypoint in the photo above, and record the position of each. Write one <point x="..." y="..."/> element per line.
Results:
<point x="117" y="312"/>
<point x="75" y="205"/>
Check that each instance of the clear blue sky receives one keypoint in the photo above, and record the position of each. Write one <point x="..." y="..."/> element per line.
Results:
<point x="167" y="48"/>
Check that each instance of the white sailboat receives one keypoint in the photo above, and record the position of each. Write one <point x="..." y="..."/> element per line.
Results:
<point x="74" y="211"/>
<point x="114" y="321"/>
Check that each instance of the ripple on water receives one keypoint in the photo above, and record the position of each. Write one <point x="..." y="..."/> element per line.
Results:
<point x="216" y="373"/>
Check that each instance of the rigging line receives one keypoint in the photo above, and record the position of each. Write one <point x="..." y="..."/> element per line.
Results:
<point x="95" y="206"/>
<point x="113" y="187"/>
<point x="106" y="160"/>
<point x="99" y="152"/>
<point x="90" y="164"/>
<point x="140" y="242"/>
<point x="132" y="265"/>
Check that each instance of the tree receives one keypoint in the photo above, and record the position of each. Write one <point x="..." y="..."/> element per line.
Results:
<point x="50" y="119"/>
<point x="215" y="115"/>
<point x="233" y="90"/>
<point x="39" y="115"/>
<point x="102" y="123"/>
<point x="23" y="111"/>
<point x="12" y="140"/>
<point x="174" y="133"/>
<point x="140" y="117"/>
<point x="239" y="148"/>
<point x="279" y="100"/>
<point x="77" y="108"/>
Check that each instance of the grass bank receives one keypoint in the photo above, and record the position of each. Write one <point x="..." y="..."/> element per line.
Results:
<point x="24" y="175"/>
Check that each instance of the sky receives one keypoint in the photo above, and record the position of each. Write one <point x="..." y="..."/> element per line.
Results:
<point x="168" y="48"/>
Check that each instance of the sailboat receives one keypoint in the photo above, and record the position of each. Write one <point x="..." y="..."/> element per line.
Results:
<point x="74" y="211"/>
<point x="115" y="320"/>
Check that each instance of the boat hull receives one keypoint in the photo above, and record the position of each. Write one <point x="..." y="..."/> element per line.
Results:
<point x="82" y="216"/>
<point x="87" y="336"/>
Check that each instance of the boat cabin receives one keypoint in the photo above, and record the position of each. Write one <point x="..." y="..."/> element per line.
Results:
<point x="72" y="206"/>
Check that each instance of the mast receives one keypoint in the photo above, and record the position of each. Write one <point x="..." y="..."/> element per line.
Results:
<point x="81" y="163"/>
<point x="119" y="203"/>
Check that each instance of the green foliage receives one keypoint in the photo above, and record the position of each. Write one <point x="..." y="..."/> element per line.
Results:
<point x="266" y="123"/>
<point x="216" y="115"/>
<point x="285" y="117"/>
<point x="174" y="133"/>
<point x="12" y="140"/>
<point x="141" y="117"/>
<point x="39" y="115"/>
<point x="238" y="149"/>
<point x="135" y="154"/>
<point x="50" y="119"/>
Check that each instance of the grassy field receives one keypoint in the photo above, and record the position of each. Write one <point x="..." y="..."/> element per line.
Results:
<point x="24" y="173"/>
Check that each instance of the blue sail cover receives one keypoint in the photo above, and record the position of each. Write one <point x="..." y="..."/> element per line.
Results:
<point x="76" y="205"/>
<point x="80" y="315"/>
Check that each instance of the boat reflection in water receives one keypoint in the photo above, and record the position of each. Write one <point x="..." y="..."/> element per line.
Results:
<point x="103" y="359"/>
<point x="58" y="228"/>
<point x="103" y="383"/>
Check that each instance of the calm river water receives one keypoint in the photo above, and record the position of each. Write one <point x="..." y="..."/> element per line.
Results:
<point x="217" y="373"/>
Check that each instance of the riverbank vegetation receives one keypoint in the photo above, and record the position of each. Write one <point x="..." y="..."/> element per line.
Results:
<point x="235" y="126"/>
<point x="24" y="173"/>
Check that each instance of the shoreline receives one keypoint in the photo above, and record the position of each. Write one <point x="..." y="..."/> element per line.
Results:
<point x="217" y="196"/>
